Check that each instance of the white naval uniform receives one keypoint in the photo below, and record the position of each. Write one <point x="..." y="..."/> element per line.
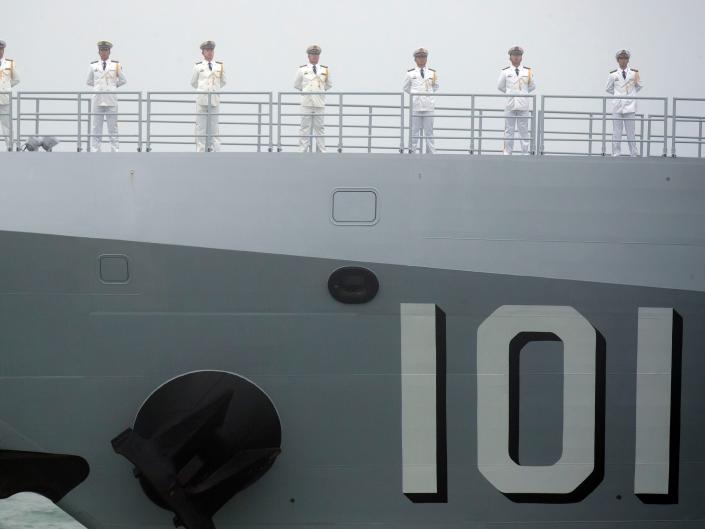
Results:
<point x="422" y="80"/>
<point x="313" y="106"/>
<point x="8" y="78"/>
<point x="208" y="77"/>
<point x="105" y="77"/>
<point x="623" y="83"/>
<point x="516" y="81"/>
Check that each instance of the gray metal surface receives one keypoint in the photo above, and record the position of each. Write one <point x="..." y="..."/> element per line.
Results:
<point x="211" y="286"/>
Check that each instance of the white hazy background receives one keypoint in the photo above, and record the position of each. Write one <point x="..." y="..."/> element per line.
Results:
<point x="368" y="46"/>
<point x="366" y="43"/>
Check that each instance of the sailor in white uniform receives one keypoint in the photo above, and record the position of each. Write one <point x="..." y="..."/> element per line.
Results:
<point x="208" y="77"/>
<point x="313" y="77"/>
<point x="105" y="76"/>
<point x="8" y="78"/>
<point x="422" y="79"/>
<point x="516" y="80"/>
<point x="623" y="82"/>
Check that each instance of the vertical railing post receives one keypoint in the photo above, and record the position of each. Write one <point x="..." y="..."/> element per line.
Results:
<point x="648" y="136"/>
<point x="542" y="126"/>
<point x="641" y="135"/>
<point x="279" y="122"/>
<point x="480" y="115"/>
<point x="259" y="127"/>
<point x="590" y="128"/>
<point x="89" y="119"/>
<point x="208" y="123"/>
<point x="665" y="127"/>
<point x="149" y="122"/>
<point x="19" y="121"/>
<point x="10" y="140"/>
<point x="36" y="116"/>
<point x="401" y="124"/>
<point x="79" y="123"/>
<point x="340" y="122"/>
<point x="674" y="120"/>
<point x="139" y="122"/>
<point x="369" y="129"/>
<point x="270" y="123"/>
<point x="472" y="124"/>
<point x="532" y="141"/>
<point x="604" y="126"/>
<point x="700" y="139"/>
<point x="411" y="124"/>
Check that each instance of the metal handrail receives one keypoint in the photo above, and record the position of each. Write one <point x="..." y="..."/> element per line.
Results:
<point x="677" y="118"/>
<point x="603" y="117"/>
<point x="464" y="122"/>
<point x="266" y="103"/>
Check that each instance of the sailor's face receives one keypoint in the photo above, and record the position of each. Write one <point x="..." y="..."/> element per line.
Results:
<point x="208" y="54"/>
<point x="313" y="59"/>
<point x="516" y="60"/>
<point x="104" y="54"/>
<point x="421" y="61"/>
<point x="623" y="62"/>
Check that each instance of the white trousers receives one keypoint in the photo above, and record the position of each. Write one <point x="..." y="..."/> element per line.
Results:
<point x="202" y="125"/>
<point x="109" y="115"/>
<point x="5" y="125"/>
<point x="620" y="122"/>
<point x="513" y="120"/>
<point x="312" y="125"/>
<point x="422" y="122"/>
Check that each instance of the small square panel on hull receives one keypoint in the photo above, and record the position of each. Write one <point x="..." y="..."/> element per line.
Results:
<point x="354" y="206"/>
<point x="114" y="269"/>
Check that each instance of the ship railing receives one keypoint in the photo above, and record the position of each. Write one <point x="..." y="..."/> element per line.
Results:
<point x="7" y="120"/>
<point x="244" y="120"/>
<point x="557" y="126"/>
<point x="375" y="124"/>
<point x="68" y="116"/>
<point x="687" y="124"/>
<point x="470" y="123"/>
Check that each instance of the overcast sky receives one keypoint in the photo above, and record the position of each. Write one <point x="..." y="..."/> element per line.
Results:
<point x="367" y="43"/>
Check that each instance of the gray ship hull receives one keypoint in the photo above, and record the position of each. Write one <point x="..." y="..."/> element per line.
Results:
<point x="221" y="263"/>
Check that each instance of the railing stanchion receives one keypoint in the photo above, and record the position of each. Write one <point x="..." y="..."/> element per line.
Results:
<point x="19" y="121"/>
<point x="641" y="135"/>
<point x="340" y="123"/>
<point x="411" y="124"/>
<point x="648" y="136"/>
<point x="479" y="131"/>
<point x="209" y="147"/>
<point x="259" y="127"/>
<point x="700" y="139"/>
<point x="270" y="120"/>
<point x="401" y="124"/>
<point x="10" y="140"/>
<point x="279" y="122"/>
<point x="604" y="126"/>
<point x="369" y="129"/>
<point x="472" y="124"/>
<point x="89" y="119"/>
<point x="674" y="120"/>
<point x="590" y="129"/>
<point x="78" y="123"/>
<point x="139" y="122"/>
<point x="149" y="122"/>
<point x="665" y="127"/>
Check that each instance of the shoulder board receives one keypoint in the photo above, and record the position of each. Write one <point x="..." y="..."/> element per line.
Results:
<point x="303" y="66"/>
<point x="324" y="66"/>
<point x="219" y="62"/>
<point x="432" y="70"/>
<point x="507" y="68"/>
<point x="94" y="62"/>
<point x="114" y="61"/>
<point x="411" y="69"/>
<point x="198" y="62"/>
<point x="613" y="71"/>
<point x="635" y="70"/>
<point x="527" y="67"/>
